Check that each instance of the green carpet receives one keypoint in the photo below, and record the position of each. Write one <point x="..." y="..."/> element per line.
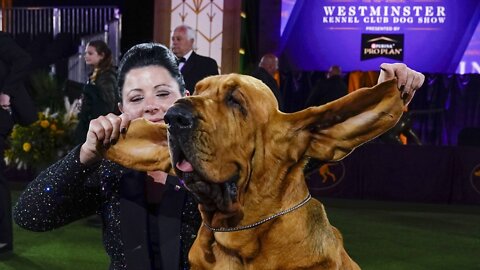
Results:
<point x="378" y="235"/>
<point x="75" y="246"/>
<point x="388" y="235"/>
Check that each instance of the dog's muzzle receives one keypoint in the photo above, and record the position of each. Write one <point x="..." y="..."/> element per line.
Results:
<point x="213" y="196"/>
<point x="180" y="120"/>
<point x="181" y="124"/>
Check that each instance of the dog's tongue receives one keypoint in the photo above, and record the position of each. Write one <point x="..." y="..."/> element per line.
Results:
<point x="185" y="166"/>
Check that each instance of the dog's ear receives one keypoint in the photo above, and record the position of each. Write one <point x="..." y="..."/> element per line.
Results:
<point x="333" y="130"/>
<point x="143" y="147"/>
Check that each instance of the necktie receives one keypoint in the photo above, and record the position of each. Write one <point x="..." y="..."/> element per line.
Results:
<point x="181" y="62"/>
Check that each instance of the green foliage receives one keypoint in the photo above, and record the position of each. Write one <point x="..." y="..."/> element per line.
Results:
<point x="51" y="136"/>
<point x="43" y="142"/>
<point x="46" y="91"/>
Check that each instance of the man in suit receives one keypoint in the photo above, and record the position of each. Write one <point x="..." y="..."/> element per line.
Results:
<point x="16" y="106"/>
<point x="329" y="89"/>
<point x="194" y="67"/>
<point x="265" y="72"/>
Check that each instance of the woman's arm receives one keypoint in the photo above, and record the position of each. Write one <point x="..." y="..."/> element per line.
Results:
<point x="63" y="193"/>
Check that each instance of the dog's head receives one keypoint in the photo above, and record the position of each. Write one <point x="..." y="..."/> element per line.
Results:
<point x="230" y="139"/>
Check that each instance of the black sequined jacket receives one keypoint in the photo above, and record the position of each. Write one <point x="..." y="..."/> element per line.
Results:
<point x="137" y="234"/>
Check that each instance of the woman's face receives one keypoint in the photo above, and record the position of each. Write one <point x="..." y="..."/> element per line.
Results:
<point x="92" y="57"/>
<point x="148" y="92"/>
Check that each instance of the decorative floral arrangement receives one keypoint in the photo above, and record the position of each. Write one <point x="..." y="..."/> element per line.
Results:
<point x="44" y="141"/>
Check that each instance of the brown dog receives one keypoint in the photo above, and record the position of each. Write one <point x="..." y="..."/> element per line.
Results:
<point x="243" y="160"/>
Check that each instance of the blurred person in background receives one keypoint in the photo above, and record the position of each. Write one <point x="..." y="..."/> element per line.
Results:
<point x="16" y="107"/>
<point x="194" y="67"/>
<point x="99" y="95"/>
<point x="329" y="89"/>
<point x="265" y="72"/>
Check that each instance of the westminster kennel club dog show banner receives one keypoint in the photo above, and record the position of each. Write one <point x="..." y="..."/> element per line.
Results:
<point x="429" y="35"/>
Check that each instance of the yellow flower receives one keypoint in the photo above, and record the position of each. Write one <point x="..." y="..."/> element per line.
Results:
<point x="44" y="123"/>
<point x="53" y="127"/>
<point x="27" y="146"/>
<point x="14" y="133"/>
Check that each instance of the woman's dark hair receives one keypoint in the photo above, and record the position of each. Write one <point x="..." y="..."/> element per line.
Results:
<point x="149" y="54"/>
<point x="102" y="48"/>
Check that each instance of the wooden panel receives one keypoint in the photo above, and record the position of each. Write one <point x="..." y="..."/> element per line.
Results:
<point x="231" y="36"/>
<point x="161" y="20"/>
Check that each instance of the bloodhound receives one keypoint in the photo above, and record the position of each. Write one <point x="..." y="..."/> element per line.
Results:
<point x="243" y="160"/>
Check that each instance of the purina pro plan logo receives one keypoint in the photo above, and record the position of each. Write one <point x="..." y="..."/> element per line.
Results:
<point x="381" y="45"/>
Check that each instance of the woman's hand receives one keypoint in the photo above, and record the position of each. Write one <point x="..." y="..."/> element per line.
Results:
<point x="102" y="132"/>
<point x="5" y="101"/>
<point x="408" y="79"/>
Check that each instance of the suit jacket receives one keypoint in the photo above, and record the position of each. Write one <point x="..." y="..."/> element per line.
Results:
<point x="327" y="90"/>
<point x="197" y="68"/>
<point x="14" y="69"/>
<point x="15" y="64"/>
<point x="261" y="74"/>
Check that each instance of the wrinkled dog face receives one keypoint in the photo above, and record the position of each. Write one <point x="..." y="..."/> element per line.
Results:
<point x="212" y="136"/>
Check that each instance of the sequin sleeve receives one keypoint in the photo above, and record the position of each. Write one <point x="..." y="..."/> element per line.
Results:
<point x="63" y="193"/>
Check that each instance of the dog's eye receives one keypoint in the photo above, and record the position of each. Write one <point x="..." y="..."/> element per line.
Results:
<point x="232" y="101"/>
<point x="235" y="100"/>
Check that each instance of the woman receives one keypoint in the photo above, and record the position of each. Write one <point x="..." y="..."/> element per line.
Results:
<point x="148" y="222"/>
<point x="99" y="96"/>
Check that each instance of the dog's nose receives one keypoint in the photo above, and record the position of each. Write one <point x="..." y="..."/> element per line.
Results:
<point x="179" y="118"/>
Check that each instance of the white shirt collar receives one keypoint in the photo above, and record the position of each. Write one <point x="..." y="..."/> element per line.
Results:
<point x="187" y="55"/>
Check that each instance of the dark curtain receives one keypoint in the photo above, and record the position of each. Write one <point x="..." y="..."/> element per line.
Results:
<point x="426" y="174"/>
<point x="445" y="106"/>
<point x="137" y="23"/>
